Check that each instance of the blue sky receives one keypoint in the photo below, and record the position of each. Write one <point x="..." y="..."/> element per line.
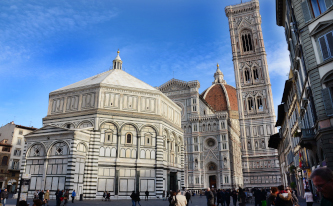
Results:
<point x="46" y="45"/>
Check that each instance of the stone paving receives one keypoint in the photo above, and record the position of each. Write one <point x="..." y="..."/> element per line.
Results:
<point x="196" y="201"/>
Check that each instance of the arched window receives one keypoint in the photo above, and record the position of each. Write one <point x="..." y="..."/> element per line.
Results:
<point x="247" y="76"/>
<point x="212" y="166"/>
<point x="255" y="74"/>
<point x="128" y="138"/>
<point x="148" y="138"/>
<point x="250" y="104"/>
<point x="247" y="41"/>
<point x="4" y="161"/>
<point x="259" y="104"/>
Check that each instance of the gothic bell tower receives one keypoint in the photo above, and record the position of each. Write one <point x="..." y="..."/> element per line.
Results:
<point x="254" y="94"/>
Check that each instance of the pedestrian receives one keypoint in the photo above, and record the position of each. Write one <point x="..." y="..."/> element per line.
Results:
<point x="272" y="197"/>
<point x="108" y="195"/>
<point x="188" y="197"/>
<point x="171" y="199"/>
<point x="104" y="196"/>
<point x="4" y="197"/>
<point x="35" y="194"/>
<point x="137" y="198"/>
<point x="227" y="197"/>
<point x="294" y="198"/>
<point x="66" y="196"/>
<point x="163" y="195"/>
<point x="210" y="197"/>
<point x="47" y="197"/>
<point x="322" y="178"/>
<point x="219" y="197"/>
<point x="147" y="195"/>
<point x="41" y="195"/>
<point x="179" y="199"/>
<point x="215" y="196"/>
<point x="57" y="198"/>
<point x="234" y="197"/>
<point x="263" y="197"/>
<point x="133" y="197"/>
<point x="257" y="197"/>
<point x="283" y="198"/>
<point x="308" y="197"/>
<point x="73" y="196"/>
<point x="241" y="197"/>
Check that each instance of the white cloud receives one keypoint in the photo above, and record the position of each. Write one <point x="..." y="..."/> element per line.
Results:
<point x="278" y="59"/>
<point x="24" y="24"/>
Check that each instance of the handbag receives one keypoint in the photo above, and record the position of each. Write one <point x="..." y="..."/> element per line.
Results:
<point x="263" y="203"/>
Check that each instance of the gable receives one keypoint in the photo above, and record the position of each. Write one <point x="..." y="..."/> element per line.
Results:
<point x="174" y="85"/>
<point x="49" y="129"/>
<point x="321" y="26"/>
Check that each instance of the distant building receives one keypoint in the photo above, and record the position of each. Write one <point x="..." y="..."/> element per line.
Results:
<point x="211" y="132"/>
<point x="309" y="34"/>
<point x="12" y="143"/>
<point x="110" y="132"/>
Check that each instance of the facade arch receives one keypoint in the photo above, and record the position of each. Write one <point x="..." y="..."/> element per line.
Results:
<point x="68" y="125"/>
<point x="41" y="152"/>
<point x="129" y="123"/>
<point x="211" y="166"/>
<point x="85" y="124"/>
<point x="62" y="148"/>
<point x="82" y="147"/>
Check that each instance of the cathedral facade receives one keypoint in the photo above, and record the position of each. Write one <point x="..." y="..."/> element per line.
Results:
<point x="211" y="132"/>
<point x="110" y="132"/>
<point x="254" y="94"/>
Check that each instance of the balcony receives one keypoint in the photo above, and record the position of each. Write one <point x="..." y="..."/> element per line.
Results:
<point x="307" y="138"/>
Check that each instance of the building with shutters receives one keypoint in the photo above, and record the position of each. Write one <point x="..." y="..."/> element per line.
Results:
<point x="110" y="132"/>
<point x="211" y="132"/>
<point x="12" y="135"/>
<point x="254" y="95"/>
<point x="308" y="28"/>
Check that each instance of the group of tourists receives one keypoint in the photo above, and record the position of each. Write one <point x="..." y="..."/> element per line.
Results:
<point x="62" y="197"/>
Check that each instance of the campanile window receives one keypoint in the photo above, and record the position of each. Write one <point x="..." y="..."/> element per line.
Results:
<point x="246" y="41"/>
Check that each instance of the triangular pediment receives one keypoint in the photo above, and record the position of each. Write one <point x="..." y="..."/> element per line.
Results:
<point x="321" y="26"/>
<point x="174" y="85"/>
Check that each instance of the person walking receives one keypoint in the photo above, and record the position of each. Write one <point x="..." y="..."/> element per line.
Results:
<point x="47" y="197"/>
<point x="104" y="196"/>
<point x="180" y="200"/>
<point x="234" y="197"/>
<point x="227" y="197"/>
<point x="41" y="195"/>
<point x="210" y="197"/>
<point x="137" y="198"/>
<point x="283" y="198"/>
<point x="108" y="195"/>
<point x="219" y="197"/>
<point x="308" y="197"/>
<point x="66" y="196"/>
<point x="272" y="197"/>
<point x="241" y="197"/>
<point x="171" y="198"/>
<point x="73" y="196"/>
<point x="257" y="197"/>
<point x="133" y="197"/>
<point x="294" y="198"/>
<point x="4" y="197"/>
<point x="188" y="197"/>
<point x="147" y="195"/>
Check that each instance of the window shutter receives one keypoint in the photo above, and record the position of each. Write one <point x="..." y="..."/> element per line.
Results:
<point x="328" y="3"/>
<point x="329" y="38"/>
<point x="306" y="11"/>
<point x="323" y="47"/>
<point x="327" y="101"/>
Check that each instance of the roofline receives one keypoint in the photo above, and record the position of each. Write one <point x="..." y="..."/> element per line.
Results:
<point x="25" y="127"/>
<point x="280" y="7"/>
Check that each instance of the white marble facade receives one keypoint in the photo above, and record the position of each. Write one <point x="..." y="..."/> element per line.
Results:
<point x="255" y="100"/>
<point x="110" y="132"/>
<point x="212" y="144"/>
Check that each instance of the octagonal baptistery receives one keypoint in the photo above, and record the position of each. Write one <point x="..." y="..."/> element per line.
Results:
<point x="110" y="132"/>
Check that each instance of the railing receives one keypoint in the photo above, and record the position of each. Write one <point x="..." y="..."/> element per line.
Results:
<point x="308" y="133"/>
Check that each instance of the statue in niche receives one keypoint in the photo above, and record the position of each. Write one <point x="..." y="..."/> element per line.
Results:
<point x="256" y="145"/>
<point x="225" y="162"/>
<point x="263" y="144"/>
<point x="196" y="163"/>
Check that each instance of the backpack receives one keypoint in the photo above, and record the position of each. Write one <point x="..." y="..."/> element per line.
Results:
<point x="173" y="201"/>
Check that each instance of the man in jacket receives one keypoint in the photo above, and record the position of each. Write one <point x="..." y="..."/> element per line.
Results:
<point x="323" y="180"/>
<point x="4" y="197"/>
<point x="188" y="197"/>
<point x="272" y="197"/>
<point x="210" y="197"/>
<point x="180" y="199"/>
<point x="73" y="196"/>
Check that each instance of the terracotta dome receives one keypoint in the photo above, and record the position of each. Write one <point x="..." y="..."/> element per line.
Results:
<point x="221" y="96"/>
